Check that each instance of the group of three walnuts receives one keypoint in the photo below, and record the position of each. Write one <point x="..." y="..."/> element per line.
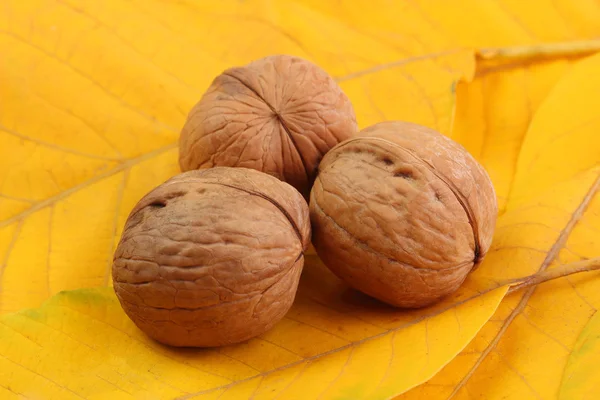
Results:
<point x="213" y="256"/>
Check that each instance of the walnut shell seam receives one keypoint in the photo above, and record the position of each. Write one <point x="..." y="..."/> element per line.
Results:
<point x="279" y="119"/>
<point x="464" y="203"/>
<point x="250" y="192"/>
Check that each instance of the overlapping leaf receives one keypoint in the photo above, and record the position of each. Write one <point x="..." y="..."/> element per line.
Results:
<point x="494" y="111"/>
<point x="523" y="350"/>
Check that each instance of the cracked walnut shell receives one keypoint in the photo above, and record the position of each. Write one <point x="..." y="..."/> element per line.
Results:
<point x="212" y="257"/>
<point x="402" y="213"/>
<point x="278" y="115"/>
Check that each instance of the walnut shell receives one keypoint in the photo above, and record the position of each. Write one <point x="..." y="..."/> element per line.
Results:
<point x="212" y="257"/>
<point x="402" y="213"/>
<point x="278" y="115"/>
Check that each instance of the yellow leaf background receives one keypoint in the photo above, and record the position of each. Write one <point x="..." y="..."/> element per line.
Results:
<point x="93" y="95"/>
<point x="580" y="380"/>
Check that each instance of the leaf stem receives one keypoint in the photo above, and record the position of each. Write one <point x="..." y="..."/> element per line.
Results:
<point x="560" y="49"/>
<point x="592" y="264"/>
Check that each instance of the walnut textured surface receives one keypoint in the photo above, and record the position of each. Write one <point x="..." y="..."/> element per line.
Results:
<point x="212" y="257"/>
<point x="278" y="115"/>
<point x="402" y="213"/>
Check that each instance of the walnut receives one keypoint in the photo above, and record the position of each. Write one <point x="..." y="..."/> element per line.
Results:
<point x="402" y="213"/>
<point x="212" y="257"/>
<point x="278" y="115"/>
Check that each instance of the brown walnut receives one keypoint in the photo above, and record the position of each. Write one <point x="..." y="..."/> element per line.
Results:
<point x="402" y="213"/>
<point x="278" y="115"/>
<point x="212" y="257"/>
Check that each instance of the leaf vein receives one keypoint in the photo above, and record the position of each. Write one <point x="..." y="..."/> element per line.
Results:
<point x="552" y="254"/>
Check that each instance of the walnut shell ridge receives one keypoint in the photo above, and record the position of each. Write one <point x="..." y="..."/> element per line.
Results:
<point x="212" y="257"/>
<point x="402" y="213"/>
<point x="279" y="115"/>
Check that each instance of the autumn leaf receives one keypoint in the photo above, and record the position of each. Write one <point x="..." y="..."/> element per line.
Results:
<point x="581" y="379"/>
<point x="494" y="111"/>
<point x="102" y="132"/>
<point x="523" y="350"/>
<point x="95" y="94"/>
<point x="320" y="348"/>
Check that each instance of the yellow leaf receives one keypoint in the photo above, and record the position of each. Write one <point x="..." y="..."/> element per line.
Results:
<point x="80" y="344"/>
<point x="472" y="23"/>
<point x="94" y="95"/>
<point x="104" y="87"/>
<point x="494" y="111"/>
<point x="553" y="212"/>
<point x="581" y="379"/>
